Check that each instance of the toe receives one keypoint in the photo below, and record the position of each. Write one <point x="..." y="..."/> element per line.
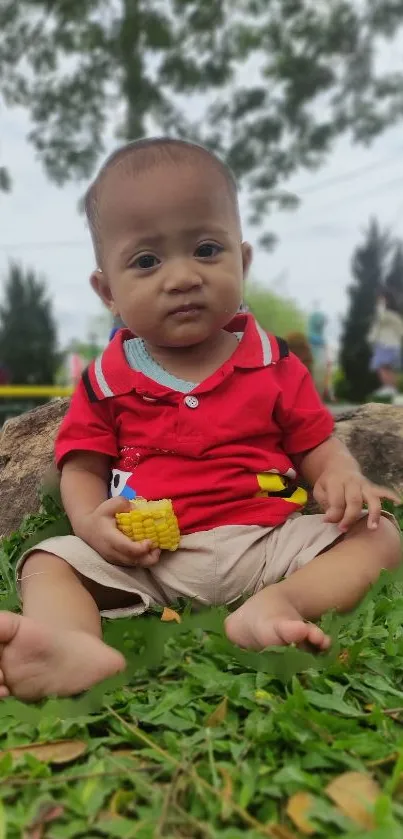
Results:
<point x="9" y="624"/>
<point x="4" y="692"/>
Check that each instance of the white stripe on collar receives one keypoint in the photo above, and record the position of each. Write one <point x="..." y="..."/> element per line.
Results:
<point x="101" y="381"/>
<point x="266" y="346"/>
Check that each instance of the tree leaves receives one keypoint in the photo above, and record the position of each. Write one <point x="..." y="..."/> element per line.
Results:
<point x="74" y="65"/>
<point x="5" y="180"/>
<point x="28" y="341"/>
<point x="368" y="268"/>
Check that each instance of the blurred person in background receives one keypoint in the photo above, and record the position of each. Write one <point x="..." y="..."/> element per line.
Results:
<point x="316" y="336"/>
<point x="386" y="337"/>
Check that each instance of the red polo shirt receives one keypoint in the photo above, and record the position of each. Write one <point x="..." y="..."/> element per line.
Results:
<point x="204" y="449"/>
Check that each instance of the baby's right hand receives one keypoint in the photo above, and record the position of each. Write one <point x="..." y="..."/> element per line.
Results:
<point x="100" y="531"/>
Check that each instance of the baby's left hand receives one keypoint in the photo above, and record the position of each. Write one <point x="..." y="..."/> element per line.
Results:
<point x="343" y="493"/>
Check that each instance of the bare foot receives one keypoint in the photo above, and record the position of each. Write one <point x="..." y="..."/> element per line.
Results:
<point x="37" y="662"/>
<point x="269" y="620"/>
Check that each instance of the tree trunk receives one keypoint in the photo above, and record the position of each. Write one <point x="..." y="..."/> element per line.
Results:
<point x="132" y="69"/>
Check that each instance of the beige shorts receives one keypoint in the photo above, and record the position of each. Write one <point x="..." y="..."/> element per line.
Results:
<point x="212" y="567"/>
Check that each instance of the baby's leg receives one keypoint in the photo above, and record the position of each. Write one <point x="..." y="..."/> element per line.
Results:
<point x="55" y="647"/>
<point x="337" y="579"/>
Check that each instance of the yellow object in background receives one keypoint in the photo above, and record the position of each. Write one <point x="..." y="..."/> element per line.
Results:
<point x="152" y="520"/>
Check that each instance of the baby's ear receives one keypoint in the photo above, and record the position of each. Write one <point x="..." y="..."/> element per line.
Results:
<point x="99" y="283"/>
<point x="247" y="254"/>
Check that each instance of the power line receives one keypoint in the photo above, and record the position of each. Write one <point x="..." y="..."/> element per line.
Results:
<point x="348" y="176"/>
<point x="81" y="243"/>
<point x="393" y="182"/>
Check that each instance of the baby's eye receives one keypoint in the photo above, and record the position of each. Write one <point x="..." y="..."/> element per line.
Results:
<point x="207" y="250"/>
<point x="146" y="261"/>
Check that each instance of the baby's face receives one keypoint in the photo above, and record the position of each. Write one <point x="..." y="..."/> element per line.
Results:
<point x="173" y="261"/>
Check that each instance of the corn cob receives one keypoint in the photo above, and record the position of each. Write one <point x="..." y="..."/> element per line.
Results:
<point x="151" y="520"/>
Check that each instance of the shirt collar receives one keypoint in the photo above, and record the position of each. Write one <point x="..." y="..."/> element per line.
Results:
<point x="112" y="375"/>
<point x="257" y="348"/>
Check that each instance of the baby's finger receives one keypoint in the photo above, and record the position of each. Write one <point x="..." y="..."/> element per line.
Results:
<point x="111" y="506"/>
<point x="374" y="507"/>
<point x="117" y="557"/>
<point x="320" y="495"/>
<point x="336" y="501"/>
<point x="132" y="551"/>
<point x="389" y="494"/>
<point x="354" y="504"/>
<point x="149" y="559"/>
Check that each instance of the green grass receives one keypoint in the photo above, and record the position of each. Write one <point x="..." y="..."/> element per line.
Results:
<point x="157" y="761"/>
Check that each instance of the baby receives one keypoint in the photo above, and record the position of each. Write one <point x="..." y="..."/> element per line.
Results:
<point x="193" y="401"/>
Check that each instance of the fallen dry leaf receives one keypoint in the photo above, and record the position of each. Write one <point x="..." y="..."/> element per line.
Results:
<point x="58" y="752"/>
<point x="383" y="761"/>
<point x="170" y="615"/>
<point x="218" y="715"/>
<point x="48" y="813"/>
<point x="355" y="795"/>
<point x="298" y="809"/>
<point x="125" y="753"/>
<point x="226" y="794"/>
<point x="279" y="831"/>
<point x="344" y="657"/>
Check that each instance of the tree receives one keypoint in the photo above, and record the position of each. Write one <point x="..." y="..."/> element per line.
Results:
<point x="394" y="277"/>
<point x="278" y="315"/>
<point x="369" y="265"/>
<point x="27" y="329"/>
<point x="284" y="78"/>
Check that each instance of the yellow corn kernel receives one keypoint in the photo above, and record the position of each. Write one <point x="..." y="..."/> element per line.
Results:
<point x="151" y="520"/>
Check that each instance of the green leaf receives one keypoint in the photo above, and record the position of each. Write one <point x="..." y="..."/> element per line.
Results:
<point x="3" y="821"/>
<point x="332" y="703"/>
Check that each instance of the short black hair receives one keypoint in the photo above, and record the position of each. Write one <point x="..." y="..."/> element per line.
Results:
<point x="136" y="156"/>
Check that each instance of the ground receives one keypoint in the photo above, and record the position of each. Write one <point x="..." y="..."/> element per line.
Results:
<point x="199" y="739"/>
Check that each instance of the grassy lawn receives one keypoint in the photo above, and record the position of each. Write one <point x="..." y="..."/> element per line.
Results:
<point x="199" y="739"/>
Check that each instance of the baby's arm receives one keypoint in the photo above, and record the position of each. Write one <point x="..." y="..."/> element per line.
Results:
<point x="339" y="485"/>
<point x="84" y="489"/>
<point x="325" y="463"/>
<point x="84" y="484"/>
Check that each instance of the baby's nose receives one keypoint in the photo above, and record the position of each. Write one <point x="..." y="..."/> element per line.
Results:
<point x="182" y="278"/>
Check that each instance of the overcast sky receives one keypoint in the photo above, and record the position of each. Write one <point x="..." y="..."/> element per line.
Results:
<point x="41" y="228"/>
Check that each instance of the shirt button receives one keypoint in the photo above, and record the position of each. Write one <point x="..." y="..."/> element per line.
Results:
<point x="191" y="401"/>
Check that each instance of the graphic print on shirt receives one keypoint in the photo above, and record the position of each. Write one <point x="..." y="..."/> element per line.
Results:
<point x="120" y="485"/>
<point x="272" y="483"/>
